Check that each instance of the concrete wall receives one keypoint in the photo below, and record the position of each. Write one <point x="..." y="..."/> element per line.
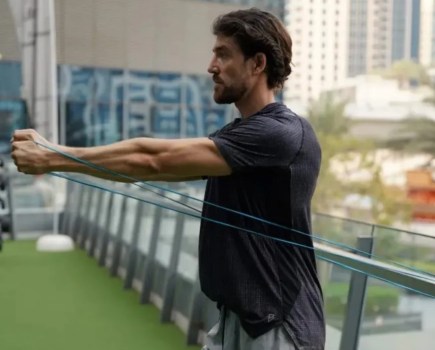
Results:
<point x="156" y="35"/>
<point x="9" y="46"/>
<point x="152" y="35"/>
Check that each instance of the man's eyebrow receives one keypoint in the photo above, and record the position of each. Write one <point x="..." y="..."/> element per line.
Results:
<point x="220" y="48"/>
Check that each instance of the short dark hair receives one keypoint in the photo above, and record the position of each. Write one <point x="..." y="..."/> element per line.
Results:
<point x="259" y="31"/>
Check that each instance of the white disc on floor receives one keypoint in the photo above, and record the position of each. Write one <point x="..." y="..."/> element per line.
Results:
<point x="54" y="243"/>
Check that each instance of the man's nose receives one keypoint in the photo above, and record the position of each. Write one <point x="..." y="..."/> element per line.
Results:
<point x="212" y="67"/>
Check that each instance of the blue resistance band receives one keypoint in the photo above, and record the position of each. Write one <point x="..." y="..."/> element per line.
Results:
<point x="245" y="230"/>
<point x="137" y="183"/>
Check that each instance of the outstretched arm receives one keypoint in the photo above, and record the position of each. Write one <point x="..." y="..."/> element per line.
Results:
<point x="139" y="158"/>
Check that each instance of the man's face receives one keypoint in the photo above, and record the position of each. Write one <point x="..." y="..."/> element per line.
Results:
<point x="230" y="71"/>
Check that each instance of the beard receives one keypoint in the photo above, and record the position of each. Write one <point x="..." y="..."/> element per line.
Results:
<point x="228" y="94"/>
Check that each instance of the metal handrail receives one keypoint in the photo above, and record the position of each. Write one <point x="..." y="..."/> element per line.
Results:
<point x="396" y="275"/>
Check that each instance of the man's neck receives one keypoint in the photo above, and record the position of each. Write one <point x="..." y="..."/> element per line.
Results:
<point x="254" y="102"/>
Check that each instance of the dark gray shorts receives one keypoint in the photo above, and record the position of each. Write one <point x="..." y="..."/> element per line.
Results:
<point x="228" y="334"/>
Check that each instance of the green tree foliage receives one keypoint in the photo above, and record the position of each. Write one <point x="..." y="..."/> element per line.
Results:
<point x="405" y="71"/>
<point x="431" y="99"/>
<point x="417" y="135"/>
<point x="327" y="116"/>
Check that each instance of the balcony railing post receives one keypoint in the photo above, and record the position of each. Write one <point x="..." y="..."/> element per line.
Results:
<point x="118" y="239"/>
<point x="66" y="217"/>
<point x="78" y="195"/>
<point x="355" y="300"/>
<point x="195" y="323"/>
<point x="96" y="226"/>
<point x="150" y="258"/>
<point x="87" y="219"/>
<point x="133" y="250"/>
<point x="171" y="272"/>
<point x="106" y="232"/>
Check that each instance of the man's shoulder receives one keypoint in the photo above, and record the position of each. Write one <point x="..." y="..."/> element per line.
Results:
<point x="279" y="113"/>
<point x="286" y="120"/>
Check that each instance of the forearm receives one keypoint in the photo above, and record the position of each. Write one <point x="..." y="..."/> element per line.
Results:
<point x="131" y="158"/>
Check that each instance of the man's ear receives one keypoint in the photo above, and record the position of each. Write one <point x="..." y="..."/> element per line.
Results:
<point x="260" y="62"/>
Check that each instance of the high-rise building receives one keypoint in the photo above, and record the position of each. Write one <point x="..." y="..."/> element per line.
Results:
<point x="334" y="40"/>
<point x="379" y="34"/>
<point x="319" y="32"/>
<point x="427" y="33"/>
<point x="357" y="37"/>
<point x="415" y="30"/>
<point x="405" y="29"/>
<point x="382" y="32"/>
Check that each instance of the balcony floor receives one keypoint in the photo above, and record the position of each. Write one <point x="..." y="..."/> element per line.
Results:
<point x="66" y="301"/>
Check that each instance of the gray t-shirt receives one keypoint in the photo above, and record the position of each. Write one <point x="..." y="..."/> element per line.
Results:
<point x="275" y="161"/>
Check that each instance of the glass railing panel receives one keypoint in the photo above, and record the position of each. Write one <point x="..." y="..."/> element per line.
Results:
<point x="339" y="230"/>
<point x="85" y="199"/>
<point x="94" y="204"/>
<point x="183" y="295"/>
<point x="103" y="216"/>
<point x="396" y="319"/>
<point x="116" y="214"/>
<point x="335" y="285"/>
<point x="166" y="235"/>
<point x="130" y="219"/>
<point x="406" y="248"/>
<point x="188" y="263"/>
<point x="189" y="243"/>
<point x="145" y="229"/>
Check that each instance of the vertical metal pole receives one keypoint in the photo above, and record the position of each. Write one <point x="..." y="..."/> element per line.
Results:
<point x="132" y="254"/>
<point x="34" y="63"/>
<point x="171" y="272"/>
<point x="96" y="227"/>
<point x="79" y="218"/>
<point x="75" y="211"/>
<point x="10" y="191"/>
<point x="67" y="208"/>
<point x="355" y="301"/>
<point x="86" y="219"/>
<point x="195" y="322"/>
<point x="150" y="259"/>
<point x="105" y="241"/>
<point x="118" y="239"/>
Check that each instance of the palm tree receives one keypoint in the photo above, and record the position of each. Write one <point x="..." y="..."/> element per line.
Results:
<point x="431" y="99"/>
<point x="406" y="71"/>
<point x="327" y="116"/>
<point x="417" y="135"/>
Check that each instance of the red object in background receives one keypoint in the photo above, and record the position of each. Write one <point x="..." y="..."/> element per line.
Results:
<point x="421" y="193"/>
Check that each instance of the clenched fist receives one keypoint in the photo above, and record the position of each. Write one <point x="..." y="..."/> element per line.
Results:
<point x="29" y="157"/>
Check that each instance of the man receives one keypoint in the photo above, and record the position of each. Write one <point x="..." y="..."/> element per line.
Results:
<point x="264" y="163"/>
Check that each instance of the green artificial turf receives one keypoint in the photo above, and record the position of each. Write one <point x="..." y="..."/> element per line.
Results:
<point x="65" y="301"/>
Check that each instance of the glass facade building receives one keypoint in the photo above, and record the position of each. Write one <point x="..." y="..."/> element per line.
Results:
<point x="405" y="30"/>
<point x="127" y="69"/>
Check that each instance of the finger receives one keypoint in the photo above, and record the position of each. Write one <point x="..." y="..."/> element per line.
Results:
<point x="22" y="144"/>
<point x="25" y="134"/>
